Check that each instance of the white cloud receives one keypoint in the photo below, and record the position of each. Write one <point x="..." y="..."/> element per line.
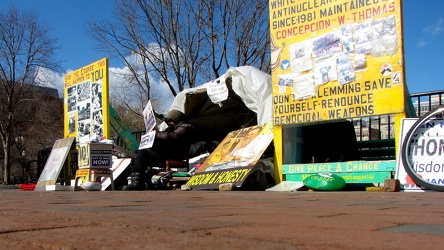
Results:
<point x="436" y="28"/>
<point x="49" y="78"/>
<point x="118" y="81"/>
<point x="431" y="30"/>
<point x="163" y="93"/>
<point x="421" y="43"/>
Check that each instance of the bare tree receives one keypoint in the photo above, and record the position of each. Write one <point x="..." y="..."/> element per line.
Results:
<point x="25" y="47"/>
<point x="237" y="33"/>
<point x="251" y="35"/>
<point x="46" y="112"/>
<point x="184" y="43"/>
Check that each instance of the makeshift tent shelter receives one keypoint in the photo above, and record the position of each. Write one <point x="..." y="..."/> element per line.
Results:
<point x="248" y="103"/>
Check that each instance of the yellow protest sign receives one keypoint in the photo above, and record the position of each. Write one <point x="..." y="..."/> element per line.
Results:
<point x="336" y="59"/>
<point x="86" y="108"/>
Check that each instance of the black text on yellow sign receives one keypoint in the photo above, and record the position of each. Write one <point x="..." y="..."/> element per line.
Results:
<point x="332" y="102"/>
<point x="93" y="72"/>
<point x="230" y="176"/>
<point x="297" y="18"/>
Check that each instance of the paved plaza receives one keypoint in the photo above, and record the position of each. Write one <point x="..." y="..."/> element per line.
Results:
<point x="220" y="220"/>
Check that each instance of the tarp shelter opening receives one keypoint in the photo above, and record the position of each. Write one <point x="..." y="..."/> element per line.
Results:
<point x="248" y="104"/>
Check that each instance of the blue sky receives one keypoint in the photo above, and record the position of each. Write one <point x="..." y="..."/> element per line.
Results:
<point x="423" y="44"/>
<point x="423" y="35"/>
<point x="68" y="21"/>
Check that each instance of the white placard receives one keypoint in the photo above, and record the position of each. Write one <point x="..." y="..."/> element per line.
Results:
<point x="217" y="91"/>
<point x="147" y="140"/>
<point x="407" y="183"/>
<point x="148" y="117"/>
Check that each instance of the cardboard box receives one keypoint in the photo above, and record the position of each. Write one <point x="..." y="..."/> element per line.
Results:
<point x="95" y="155"/>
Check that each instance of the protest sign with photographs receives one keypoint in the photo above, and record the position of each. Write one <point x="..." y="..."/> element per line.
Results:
<point x="86" y="108"/>
<point x="235" y="157"/>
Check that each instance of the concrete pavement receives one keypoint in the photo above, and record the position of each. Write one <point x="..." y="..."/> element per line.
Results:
<point x="220" y="220"/>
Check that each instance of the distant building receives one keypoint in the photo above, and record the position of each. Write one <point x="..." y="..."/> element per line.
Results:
<point x="382" y="127"/>
<point x="427" y="105"/>
<point x="40" y="124"/>
<point x="374" y="127"/>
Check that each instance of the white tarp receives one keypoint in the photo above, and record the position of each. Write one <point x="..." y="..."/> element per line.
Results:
<point x="249" y="83"/>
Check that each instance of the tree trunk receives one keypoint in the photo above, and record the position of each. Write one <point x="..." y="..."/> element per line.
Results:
<point x="7" y="162"/>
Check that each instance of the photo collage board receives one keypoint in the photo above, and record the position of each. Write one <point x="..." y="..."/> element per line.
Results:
<point x="86" y="105"/>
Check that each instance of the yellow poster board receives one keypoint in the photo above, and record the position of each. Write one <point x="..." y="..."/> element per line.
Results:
<point x="86" y="108"/>
<point x="234" y="158"/>
<point x="336" y="59"/>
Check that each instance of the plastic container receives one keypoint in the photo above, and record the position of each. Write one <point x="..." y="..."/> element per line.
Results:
<point x="27" y="187"/>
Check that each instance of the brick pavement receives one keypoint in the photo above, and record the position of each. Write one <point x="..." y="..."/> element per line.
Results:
<point x="220" y="220"/>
